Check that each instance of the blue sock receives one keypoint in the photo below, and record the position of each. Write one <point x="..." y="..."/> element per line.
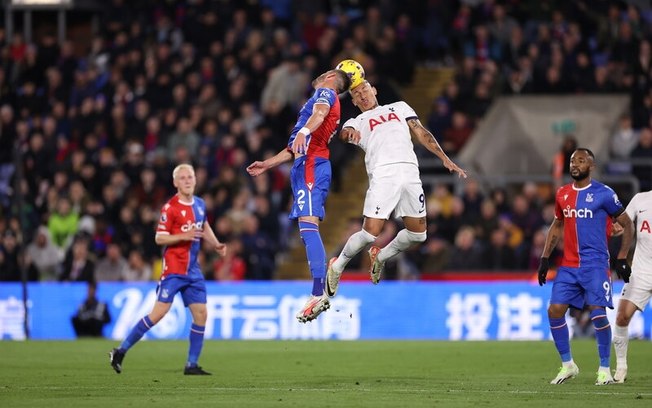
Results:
<point x="315" y="253"/>
<point x="559" y="330"/>
<point x="602" y="335"/>
<point x="136" y="333"/>
<point x="196" y="344"/>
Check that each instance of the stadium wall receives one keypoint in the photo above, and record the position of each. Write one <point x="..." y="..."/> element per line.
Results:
<point x="498" y="310"/>
<point x="521" y="134"/>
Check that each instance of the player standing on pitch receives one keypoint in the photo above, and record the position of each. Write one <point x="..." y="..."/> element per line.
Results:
<point x="311" y="176"/>
<point x="583" y="210"/>
<point x="181" y="228"/>
<point x="637" y="292"/>
<point x="384" y="133"/>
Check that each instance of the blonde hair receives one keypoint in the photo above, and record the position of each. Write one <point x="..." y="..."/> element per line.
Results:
<point x="177" y="169"/>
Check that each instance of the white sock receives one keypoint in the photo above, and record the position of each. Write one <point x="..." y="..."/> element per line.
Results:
<point x="402" y="241"/>
<point x="353" y="246"/>
<point x="568" y="363"/>
<point x="621" y="341"/>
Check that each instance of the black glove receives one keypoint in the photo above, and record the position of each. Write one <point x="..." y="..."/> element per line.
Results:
<point x="544" y="265"/>
<point x="623" y="269"/>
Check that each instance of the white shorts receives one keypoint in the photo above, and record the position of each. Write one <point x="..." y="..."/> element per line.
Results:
<point x="638" y="290"/>
<point x="395" y="188"/>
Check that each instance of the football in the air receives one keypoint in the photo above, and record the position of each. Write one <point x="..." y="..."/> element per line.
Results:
<point x="354" y="70"/>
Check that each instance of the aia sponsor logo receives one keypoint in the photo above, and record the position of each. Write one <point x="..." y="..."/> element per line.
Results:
<point x="577" y="212"/>
<point x="373" y="122"/>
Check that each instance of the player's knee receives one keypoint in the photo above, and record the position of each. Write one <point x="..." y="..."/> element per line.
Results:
<point x="623" y="320"/>
<point x="368" y="236"/>
<point x="556" y="311"/>
<point x="417" y="237"/>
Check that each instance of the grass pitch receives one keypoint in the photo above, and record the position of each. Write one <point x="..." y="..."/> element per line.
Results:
<point x="314" y="374"/>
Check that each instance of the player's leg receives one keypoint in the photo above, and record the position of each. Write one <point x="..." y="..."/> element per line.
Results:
<point x="357" y="242"/>
<point x="411" y="206"/>
<point x="310" y="179"/>
<point x="316" y="253"/>
<point x="165" y="294"/>
<point x="194" y="298"/>
<point x="196" y="338"/>
<point x="598" y="296"/>
<point x="413" y="233"/>
<point x="565" y="292"/>
<point x="634" y="296"/>
<point x="371" y="228"/>
<point x="624" y="315"/>
<point x="381" y="198"/>
<point x="603" y="340"/>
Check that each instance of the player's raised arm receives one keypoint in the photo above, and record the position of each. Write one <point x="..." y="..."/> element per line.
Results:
<point x="319" y="113"/>
<point x="259" y="167"/>
<point x="428" y="140"/>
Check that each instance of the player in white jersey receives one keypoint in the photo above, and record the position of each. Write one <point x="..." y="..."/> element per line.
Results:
<point x="385" y="134"/>
<point x="636" y="294"/>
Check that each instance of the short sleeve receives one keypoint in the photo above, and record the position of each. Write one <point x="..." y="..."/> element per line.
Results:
<point x="326" y="96"/>
<point x="351" y="123"/>
<point x="612" y="203"/>
<point x="558" y="211"/>
<point x="632" y="208"/>
<point x="165" y="220"/>
<point x="407" y="111"/>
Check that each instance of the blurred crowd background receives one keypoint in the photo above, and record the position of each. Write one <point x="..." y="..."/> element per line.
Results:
<point x="95" y="127"/>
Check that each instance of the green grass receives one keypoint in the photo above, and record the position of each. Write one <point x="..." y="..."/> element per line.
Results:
<point x="314" y="374"/>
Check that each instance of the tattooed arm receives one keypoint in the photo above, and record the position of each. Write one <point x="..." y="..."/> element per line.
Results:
<point x="428" y="140"/>
<point x="555" y="233"/>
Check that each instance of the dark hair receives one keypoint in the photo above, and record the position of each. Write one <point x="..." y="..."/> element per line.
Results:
<point x="343" y="81"/>
<point x="587" y="151"/>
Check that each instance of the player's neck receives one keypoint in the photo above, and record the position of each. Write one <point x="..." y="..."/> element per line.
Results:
<point x="185" y="198"/>
<point x="579" y="184"/>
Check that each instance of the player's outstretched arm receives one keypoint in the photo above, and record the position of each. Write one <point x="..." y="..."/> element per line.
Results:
<point x="259" y="167"/>
<point x="428" y="140"/>
<point x="319" y="113"/>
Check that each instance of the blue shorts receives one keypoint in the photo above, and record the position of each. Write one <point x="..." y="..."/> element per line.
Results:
<point x="586" y="285"/>
<point x="311" y="180"/>
<point x="192" y="290"/>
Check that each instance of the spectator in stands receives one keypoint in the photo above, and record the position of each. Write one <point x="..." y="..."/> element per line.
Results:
<point x="467" y="252"/>
<point x="78" y="265"/>
<point x="63" y="223"/>
<point x="113" y="266"/>
<point x="498" y="255"/>
<point x="10" y="267"/>
<point x="43" y="256"/>
<point x="624" y="139"/>
<point x="644" y="151"/>
<point x="92" y="315"/>
<point x="231" y="267"/>
<point x="137" y="269"/>
<point x="561" y="160"/>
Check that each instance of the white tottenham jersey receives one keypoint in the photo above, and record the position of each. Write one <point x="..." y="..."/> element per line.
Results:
<point x="640" y="211"/>
<point x="385" y="135"/>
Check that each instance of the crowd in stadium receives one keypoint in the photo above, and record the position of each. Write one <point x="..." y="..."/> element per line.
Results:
<point x="92" y="131"/>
